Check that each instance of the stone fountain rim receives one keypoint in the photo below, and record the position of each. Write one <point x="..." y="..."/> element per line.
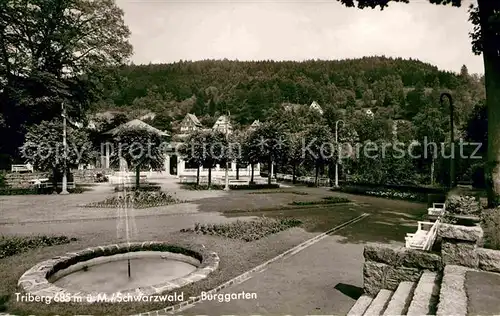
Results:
<point x="35" y="281"/>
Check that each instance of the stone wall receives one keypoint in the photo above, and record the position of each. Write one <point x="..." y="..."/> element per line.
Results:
<point x="386" y="266"/>
<point x="459" y="244"/>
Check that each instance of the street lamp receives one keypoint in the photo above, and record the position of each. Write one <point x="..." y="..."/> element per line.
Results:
<point x="65" y="158"/>
<point x="226" y="188"/>
<point x="338" y="152"/>
<point x="452" y="137"/>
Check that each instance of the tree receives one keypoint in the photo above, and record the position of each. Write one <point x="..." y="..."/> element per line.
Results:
<point x="55" y="51"/>
<point x="251" y="151"/>
<point x="319" y="148"/>
<point x="215" y="151"/>
<point x="295" y="155"/>
<point x="44" y="147"/>
<point x="192" y="151"/>
<point x="485" y="17"/>
<point x="139" y="147"/>
<point x="270" y="143"/>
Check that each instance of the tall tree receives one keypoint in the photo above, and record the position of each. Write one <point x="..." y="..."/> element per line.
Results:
<point x="486" y="40"/>
<point x="54" y="51"/>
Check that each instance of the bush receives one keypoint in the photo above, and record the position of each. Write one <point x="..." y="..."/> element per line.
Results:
<point x="477" y="176"/>
<point x="2" y="180"/>
<point x="11" y="245"/>
<point x="137" y="199"/>
<point x="245" y="230"/>
<point x="463" y="205"/>
<point x="326" y="200"/>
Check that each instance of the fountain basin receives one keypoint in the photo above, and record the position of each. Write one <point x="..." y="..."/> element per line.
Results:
<point x="157" y="268"/>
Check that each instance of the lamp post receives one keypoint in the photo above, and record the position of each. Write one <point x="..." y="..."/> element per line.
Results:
<point x="338" y="153"/>
<point x="65" y="158"/>
<point x="452" y="137"/>
<point x="226" y="187"/>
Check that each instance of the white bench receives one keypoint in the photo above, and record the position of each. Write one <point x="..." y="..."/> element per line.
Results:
<point x="437" y="209"/>
<point x="22" y="168"/>
<point x="238" y="182"/>
<point x="424" y="237"/>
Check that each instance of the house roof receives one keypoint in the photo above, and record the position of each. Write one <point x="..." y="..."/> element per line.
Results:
<point x="137" y="124"/>
<point x="193" y="118"/>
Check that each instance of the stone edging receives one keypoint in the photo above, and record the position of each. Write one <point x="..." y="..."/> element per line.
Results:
<point x="453" y="296"/>
<point x="242" y="277"/>
<point x="35" y="280"/>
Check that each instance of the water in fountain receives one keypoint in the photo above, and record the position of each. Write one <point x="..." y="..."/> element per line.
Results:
<point x="126" y="227"/>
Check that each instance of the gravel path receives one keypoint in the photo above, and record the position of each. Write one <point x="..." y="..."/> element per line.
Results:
<point x="309" y="283"/>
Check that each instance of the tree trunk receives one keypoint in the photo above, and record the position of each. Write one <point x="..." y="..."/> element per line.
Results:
<point x="198" y="175"/>
<point x="491" y="59"/>
<point x="54" y="180"/>
<point x="137" y="176"/>
<point x="293" y="173"/>
<point x="253" y="169"/>
<point x="432" y="170"/>
<point x="270" y="168"/>
<point x="316" y="176"/>
<point x="209" y="177"/>
<point x="237" y="171"/>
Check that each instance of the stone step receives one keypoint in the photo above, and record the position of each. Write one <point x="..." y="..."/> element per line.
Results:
<point x="379" y="303"/>
<point x="400" y="301"/>
<point x="359" y="308"/>
<point x="453" y="296"/>
<point x="426" y="295"/>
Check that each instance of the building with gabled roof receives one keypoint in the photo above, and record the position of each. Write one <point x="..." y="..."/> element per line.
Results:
<point x="254" y="125"/>
<point x="223" y="124"/>
<point x="316" y="107"/>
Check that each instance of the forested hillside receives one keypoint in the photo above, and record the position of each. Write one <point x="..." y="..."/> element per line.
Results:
<point x="396" y="88"/>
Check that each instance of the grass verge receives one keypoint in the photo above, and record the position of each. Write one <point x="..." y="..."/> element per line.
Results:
<point x="325" y="200"/>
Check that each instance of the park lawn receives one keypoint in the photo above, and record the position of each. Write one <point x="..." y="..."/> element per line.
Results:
<point x="236" y="257"/>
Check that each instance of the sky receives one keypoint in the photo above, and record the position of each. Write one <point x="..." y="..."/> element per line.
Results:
<point x="165" y="31"/>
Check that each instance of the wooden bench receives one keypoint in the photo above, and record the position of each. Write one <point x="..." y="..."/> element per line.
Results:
<point x="437" y="209"/>
<point x="238" y="182"/>
<point x="424" y="237"/>
<point x="22" y="168"/>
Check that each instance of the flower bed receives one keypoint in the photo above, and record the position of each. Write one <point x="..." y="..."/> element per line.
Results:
<point x="137" y="199"/>
<point x="245" y="230"/>
<point x="385" y="193"/>
<point x="254" y="186"/>
<point x="280" y="191"/>
<point x="325" y="200"/>
<point x="12" y="245"/>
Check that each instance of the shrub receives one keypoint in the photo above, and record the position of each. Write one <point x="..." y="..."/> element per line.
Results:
<point x="325" y="200"/>
<point x="463" y="205"/>
<point x="2" y="180"/>
<point x="245" y="230"/>
<point x="36" y="191"/>
<point x="11" y="245"/>
<point x="137" y="199"/>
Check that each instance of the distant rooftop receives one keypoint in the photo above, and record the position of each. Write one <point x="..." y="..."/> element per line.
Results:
<point x="137" y="124"/>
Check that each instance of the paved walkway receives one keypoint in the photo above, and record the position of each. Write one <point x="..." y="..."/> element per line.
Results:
<point x="308" y="283"/>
